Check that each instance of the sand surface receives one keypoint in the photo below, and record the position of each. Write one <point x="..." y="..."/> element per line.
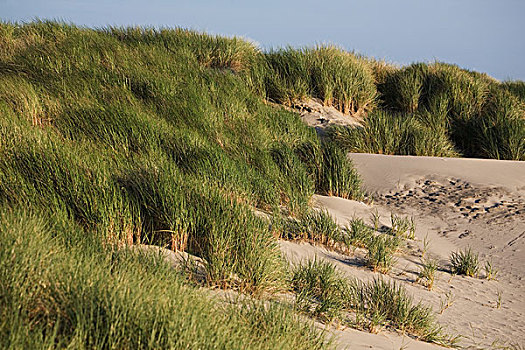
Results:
<point x="456" y="203"/>
<point x="313" y="113"/>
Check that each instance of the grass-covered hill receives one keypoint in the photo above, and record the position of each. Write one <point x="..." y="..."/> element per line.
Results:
<point x="120" y="136"/>
<point x="112" y="137"/>
<point x="432" y="109"/>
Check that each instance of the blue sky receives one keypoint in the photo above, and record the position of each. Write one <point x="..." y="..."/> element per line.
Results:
<point x="484" y="35"/>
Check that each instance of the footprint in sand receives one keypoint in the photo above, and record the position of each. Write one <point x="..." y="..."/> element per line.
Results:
<point x="493" y="205"/>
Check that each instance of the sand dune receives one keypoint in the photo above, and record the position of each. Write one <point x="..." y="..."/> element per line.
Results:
<point x="456" y="203"/>
<point x="382" y="173"/>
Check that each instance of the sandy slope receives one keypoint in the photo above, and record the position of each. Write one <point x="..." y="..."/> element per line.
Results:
<point x="383" y="173"/>
<point x="456" y="203"/>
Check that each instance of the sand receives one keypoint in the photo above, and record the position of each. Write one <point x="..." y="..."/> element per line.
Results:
<point x="456" y="203"/>
<point x="313" y="113"/>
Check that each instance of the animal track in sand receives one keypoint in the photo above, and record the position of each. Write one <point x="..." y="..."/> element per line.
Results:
<point x="492" y="205"/>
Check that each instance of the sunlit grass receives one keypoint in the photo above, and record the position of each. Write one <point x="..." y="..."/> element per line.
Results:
<point x="62" y="287"/>
<point x="465" y="262"/>
<point x="325" y="293"/>
<point x="158" y="136"/>
<point x="381" y="249"/>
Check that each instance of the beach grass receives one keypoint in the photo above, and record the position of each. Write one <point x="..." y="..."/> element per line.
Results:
<point x="155" y="136"/>
<point x="439" y="109"/>
<point x="381" y="249"/>
<point x="336" y="77"/>
<point x="62" y="287"/>
<point x="386" y="132"/>
<point x="427" y="272"/>
<point x="358" y="234"/>
<point x="465" y="262"/>
<point x="324" y="292"/>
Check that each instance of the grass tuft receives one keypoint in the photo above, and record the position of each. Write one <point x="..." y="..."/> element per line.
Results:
<point x="325" y="293"/>
<point x="427" y="273"/>
<point x="358" y="234"/>
<point x="490" y="271"/>
<point x="381" y="249"/>
<point x="319" y="289"/>
<point x="404" y="227"/>
<point x="316" y="226"/>
<point x="465" y="262"/>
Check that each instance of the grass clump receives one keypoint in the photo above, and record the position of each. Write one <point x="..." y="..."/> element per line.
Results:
<point x="338" y="78"/>
<point x="446" y="301"/>
<point x="316" y="226"/>
<point x="416" y="87"/>
<point x="338" y="177"/>
<point x="501" y="128"/>
<point x="381" y="249"/>
<point x="321" y="227"/>
<point x="376" y="219"/>
<point x="358" y="234"/>
<point x="439" y="109"/>
<point x="392" y="303"/>
<point x="465" y="262"/>
<point x="462" y="103"/>
<point x="490" y="271"/>
<point x="320" y="289"/>
<point x="404" y="227"/>
<point x="386" y="133"/>
<point x="427" y="273"/>
<point x="324" y="292"/>
<point x="401" y="90"/>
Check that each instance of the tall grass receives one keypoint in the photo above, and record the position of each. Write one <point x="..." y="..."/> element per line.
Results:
<point x="402" y="89"/>
<point x="63" y="288"/>
<point x="501" y="129"/>
<point x="476" y="114"/>
<point x="210" y="51"/>
<point x="204" y="221"/>
<point x="324" y="292"/>
<point x="338" y="177"/>
<point x="418" y="85"/>
<point x="336" y="77"/>
<point x="386" y="133"/>
<point x="516" y="87"/>
<point x="160" y="136"/>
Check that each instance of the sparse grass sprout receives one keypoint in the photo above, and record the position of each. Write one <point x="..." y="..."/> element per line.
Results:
<point x="427" y="273"/>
